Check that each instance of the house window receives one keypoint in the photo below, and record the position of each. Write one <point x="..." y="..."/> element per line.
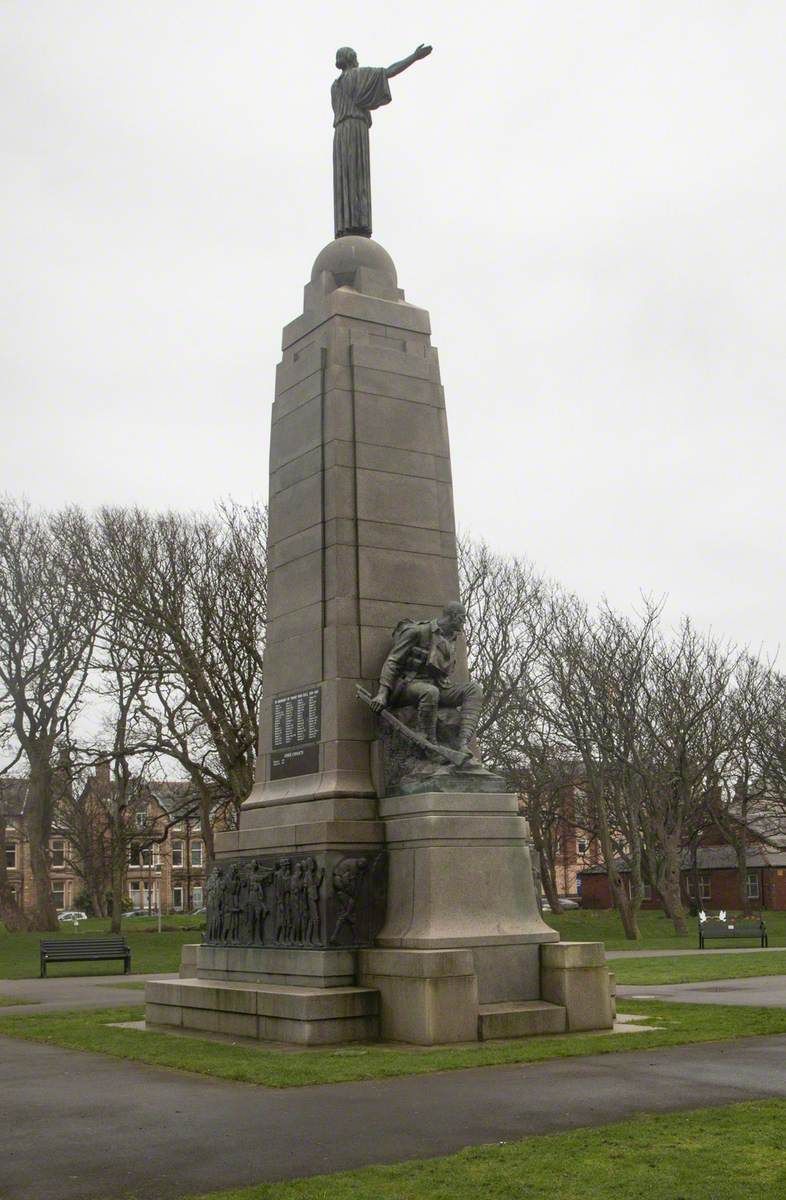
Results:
<point x="177" y="898"/>
<point x="58" y="853"/>
<point x="141" y="820"/>
<point x="752" y="891"/>
<point x="133" y="856"/>
<point x="196" y="897"/>
<point x="136" y="895"/>
<point x="582" y="846"/>
<point x="177" y="854"/>
<point x="646" y="891"/>
<point x="196" y="855"/>
<point x="58" y="893"/>
<point x="10" y="856"/>
<point x="705" y="887"/>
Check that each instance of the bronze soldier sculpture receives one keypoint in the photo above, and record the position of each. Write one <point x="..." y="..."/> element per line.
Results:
<point x="417" y="672"/>
<point x="354" y="94"/>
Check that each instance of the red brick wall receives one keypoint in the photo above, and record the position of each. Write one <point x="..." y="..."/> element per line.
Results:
<point x="724" y="890"/>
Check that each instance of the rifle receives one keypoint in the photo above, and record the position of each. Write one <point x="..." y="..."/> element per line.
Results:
<point x="457" y="757"/>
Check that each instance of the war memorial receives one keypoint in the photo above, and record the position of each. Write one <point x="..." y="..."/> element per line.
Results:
<point x="380" y="883"/>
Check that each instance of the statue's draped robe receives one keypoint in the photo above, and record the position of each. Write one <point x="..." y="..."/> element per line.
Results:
<point x="355" y="92"/>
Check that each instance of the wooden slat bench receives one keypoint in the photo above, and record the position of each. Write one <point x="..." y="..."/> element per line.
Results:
<point x="733" y="927"/>
<point x="85" y="949"/>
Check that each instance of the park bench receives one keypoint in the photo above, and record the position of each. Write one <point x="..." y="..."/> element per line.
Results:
<point x="85" y="949"/>
<point x="732" y="927"/>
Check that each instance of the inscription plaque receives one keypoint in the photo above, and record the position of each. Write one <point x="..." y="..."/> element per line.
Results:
<point x="297" y="728"/>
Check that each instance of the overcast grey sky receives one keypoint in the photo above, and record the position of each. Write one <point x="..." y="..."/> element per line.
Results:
<point x="588" y="196"/>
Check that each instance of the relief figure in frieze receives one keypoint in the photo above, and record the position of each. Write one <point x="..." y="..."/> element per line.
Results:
<point x="347" y="879"/>
<point x="313" y="877"/>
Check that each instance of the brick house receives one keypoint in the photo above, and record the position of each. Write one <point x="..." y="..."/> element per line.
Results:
<point x="66" y="884"/>
<point x="167" y="862"/>
<point x="718" y="881"/>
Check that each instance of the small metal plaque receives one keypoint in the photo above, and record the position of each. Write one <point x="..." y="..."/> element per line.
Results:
<point x="297" y="729"/>
<point x="303" y="760"/>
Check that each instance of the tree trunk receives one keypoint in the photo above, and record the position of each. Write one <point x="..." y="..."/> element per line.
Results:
<point x="206" y="830"/>
<point x="43" y="917"/>
<point x="549" y="887"/>
<point x="38" y="826"/>
<point x="547" y="880"/>
<point x="117" y="851"/>
<point x="669" y="889"/>
<point x="619" y="896"/>
<point x="741" y="853"/>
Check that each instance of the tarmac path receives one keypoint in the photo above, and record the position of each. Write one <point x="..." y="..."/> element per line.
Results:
<point x="78" y="1126"/>
<point x="54" y="993"/>
<point x="764" y="991"/>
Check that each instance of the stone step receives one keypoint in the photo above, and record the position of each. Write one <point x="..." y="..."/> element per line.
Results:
<point x="306" y="1016"/>
<point x="519" y="1018"/>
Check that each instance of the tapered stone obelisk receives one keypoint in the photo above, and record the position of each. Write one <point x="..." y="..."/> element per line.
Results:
<point x="361" y="516"/>
<point x="361" y="535"/>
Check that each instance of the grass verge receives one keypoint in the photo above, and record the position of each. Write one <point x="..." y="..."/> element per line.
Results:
<point x="245" y="1062"/>
<point x="657" y="932"/>
<point x="708" y="1154"/>
<point x="692" y="968"/>
<point x="151" y="952"/>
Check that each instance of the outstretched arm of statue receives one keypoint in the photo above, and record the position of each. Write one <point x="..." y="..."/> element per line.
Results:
<point x="415" y="56"/>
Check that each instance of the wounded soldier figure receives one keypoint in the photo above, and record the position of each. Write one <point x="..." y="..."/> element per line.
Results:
<point x="417" y="672"/>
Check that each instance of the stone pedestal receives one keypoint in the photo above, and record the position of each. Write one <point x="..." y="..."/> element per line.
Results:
<point x="460" y="875"/>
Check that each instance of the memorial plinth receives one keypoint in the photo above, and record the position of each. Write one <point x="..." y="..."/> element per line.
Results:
<point x="336" y="912"/>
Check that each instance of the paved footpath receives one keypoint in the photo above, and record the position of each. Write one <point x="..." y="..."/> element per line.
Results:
<point x="765" y="991"/>
<point x="704" y="953"/>
<point x="70" y="992"/>
<point x="80" y="1126"/>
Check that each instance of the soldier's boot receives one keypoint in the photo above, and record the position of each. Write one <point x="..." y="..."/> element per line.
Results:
<point x="471" y="705"/>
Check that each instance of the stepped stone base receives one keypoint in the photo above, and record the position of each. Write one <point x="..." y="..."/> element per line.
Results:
<point x="524" y="1019"/>
<point x="266" y="1012"/>
<point x="287" y="967"/>
<point x="574" y="974"/>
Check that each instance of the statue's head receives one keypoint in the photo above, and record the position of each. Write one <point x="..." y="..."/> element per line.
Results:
<point x="453" y="617"/>
<point x="346" y="57"/>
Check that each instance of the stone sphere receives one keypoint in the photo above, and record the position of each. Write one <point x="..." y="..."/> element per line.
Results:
<point x="345" y="255"/>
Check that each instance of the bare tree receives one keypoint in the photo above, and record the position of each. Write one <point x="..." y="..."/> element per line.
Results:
<point x="48" y="624"/>
<point x="685" y="731"/>
<point x="597" y="665"/>
<point x="737" y="792"/>
<point x="193" y="594"/>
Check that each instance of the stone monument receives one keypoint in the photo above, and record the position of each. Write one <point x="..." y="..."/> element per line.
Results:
<point x="380" y="882"/>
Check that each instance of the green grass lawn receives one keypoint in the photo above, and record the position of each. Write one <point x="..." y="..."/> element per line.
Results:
<point x="151" y="952"/>
<point x="657" y="933"/>
<point x="708" y="1154"/>
<point x="692" y="968"/>
<point x="249" y="1063"/>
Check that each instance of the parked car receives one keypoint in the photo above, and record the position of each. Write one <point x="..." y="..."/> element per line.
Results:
<point x="72" y="915"/>
<point x="140" y="912"/>
<point x="565" y="904"/>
